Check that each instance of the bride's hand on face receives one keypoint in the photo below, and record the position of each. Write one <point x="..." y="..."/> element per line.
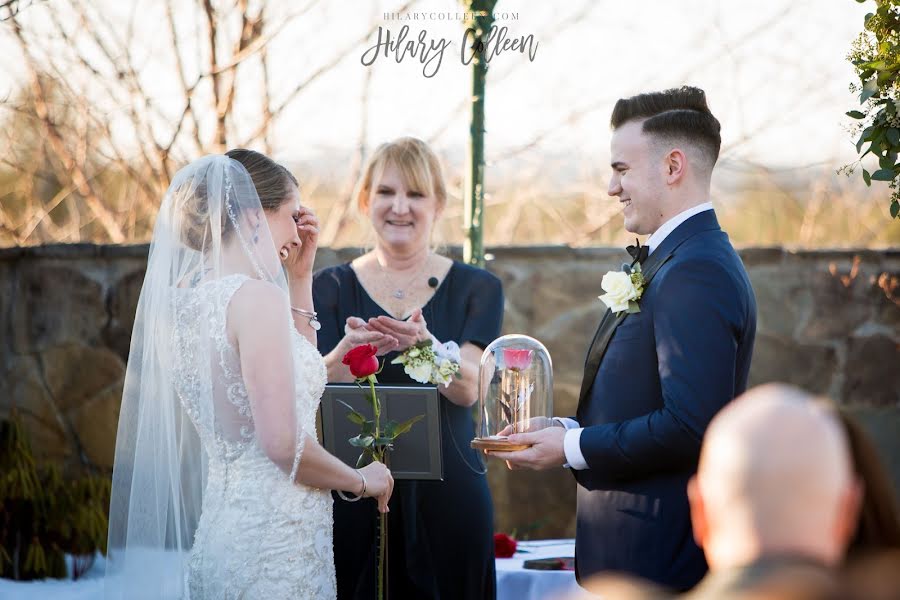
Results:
<point x="379" y="484"/>
<point x="299" y="262"/>
<point x="357" y="333"/>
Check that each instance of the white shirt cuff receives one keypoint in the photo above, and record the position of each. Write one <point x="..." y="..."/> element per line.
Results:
<point x="572" y="443"/>
<point x="572" y="448"/>
<point x="567" y="422"/>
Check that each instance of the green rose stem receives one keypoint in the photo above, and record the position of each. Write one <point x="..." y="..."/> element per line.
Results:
<point x="376" y="408"/>
<point x="381" y="456"/>
<point x="373" y="440"/>
<point x="515" y="403"/>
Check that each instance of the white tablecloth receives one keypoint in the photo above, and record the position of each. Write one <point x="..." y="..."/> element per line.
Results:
<point x="516" y="583"/>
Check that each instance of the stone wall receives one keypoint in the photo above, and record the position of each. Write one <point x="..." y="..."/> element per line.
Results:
<point x="828" y="321"/>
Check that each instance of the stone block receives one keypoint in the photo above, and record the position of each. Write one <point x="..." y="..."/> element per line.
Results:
<point x="94" y="424"/>
<point x="842" y="297"/>
<point x="123" y="300"/>
<point x="882" y="424"/>
<point x="534" y="504"/>
<point x="558" y="291"/>
<point x="887" y="300"/>
<point x="567" y="338"/>
<point x="754" y="257"/>
<point x="872" y="372"/>
<point x="782" y="299"/>
<point x="326" y="257"/>
<point x="22" y="389"/>
<point x="809" y="366"/>
<point x="55" y="303"/>
<point x="7" y="286"/>
<point x="75" y="375"/>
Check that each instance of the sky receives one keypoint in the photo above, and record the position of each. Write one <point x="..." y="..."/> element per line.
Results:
<point x="775" y="73"/>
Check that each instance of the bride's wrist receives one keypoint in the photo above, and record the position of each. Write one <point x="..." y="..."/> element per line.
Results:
<point x="362" y="482"/>
<point x="357" y="495"/>
<point x="301" y="284"/>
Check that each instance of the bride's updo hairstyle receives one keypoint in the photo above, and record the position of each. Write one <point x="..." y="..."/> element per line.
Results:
<point x="273" y="182"/>
<point x="273" y="187"/>
<point x="195" y="224"/>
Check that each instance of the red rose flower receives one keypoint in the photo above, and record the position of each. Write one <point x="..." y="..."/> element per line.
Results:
<point x="517" y="360"/>
<point x="362" y="361"/>
<point x="504" y="546"/>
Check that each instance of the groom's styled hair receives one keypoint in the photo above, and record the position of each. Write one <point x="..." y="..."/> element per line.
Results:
<point x="672" y="117"/>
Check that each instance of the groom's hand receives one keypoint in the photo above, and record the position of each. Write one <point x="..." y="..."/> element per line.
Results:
<point x="546" y="451"/>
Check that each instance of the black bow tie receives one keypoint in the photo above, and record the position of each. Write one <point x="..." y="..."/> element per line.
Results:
<point x="638" y="253"/>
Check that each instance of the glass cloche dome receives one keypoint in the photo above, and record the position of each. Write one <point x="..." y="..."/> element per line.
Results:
<point x="515" y="391"/>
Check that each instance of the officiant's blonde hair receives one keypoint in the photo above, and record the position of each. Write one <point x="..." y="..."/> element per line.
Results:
<point x="419" y="167"/>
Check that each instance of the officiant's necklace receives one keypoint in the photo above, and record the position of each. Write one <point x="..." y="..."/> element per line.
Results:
<point x="400" y="292"/>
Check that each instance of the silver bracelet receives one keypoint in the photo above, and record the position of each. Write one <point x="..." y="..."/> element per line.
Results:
<point x="311" y="315"/>
<point x="361" y="494"/>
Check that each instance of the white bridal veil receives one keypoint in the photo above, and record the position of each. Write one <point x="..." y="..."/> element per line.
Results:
<point x="210" y="227"/>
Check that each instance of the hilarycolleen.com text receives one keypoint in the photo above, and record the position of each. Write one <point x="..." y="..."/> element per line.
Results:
<point x="430" y="51"/>
<point x="446" y="16"/>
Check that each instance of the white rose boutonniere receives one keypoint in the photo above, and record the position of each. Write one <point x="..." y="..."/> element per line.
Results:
<point x="623" y="290"/>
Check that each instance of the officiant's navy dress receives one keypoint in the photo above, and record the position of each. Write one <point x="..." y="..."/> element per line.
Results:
<point x="440" y="532"/>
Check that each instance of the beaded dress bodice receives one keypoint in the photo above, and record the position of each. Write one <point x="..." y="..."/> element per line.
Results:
<point x="260" y="534"/>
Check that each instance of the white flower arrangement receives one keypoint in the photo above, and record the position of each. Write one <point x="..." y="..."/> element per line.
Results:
<point x="430" y="362"/>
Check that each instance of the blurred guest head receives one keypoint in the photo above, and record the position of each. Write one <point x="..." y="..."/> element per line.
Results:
<point x="619" y="586"/>
<point x="879" y="524"/>
<point x="402" y="192"/>
<point x="775" y="479"/>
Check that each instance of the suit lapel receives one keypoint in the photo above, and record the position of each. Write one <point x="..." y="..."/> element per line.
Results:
<point x="608" y="326"/>
<point x="701" y="222"/>
<point x="598" y="348"/>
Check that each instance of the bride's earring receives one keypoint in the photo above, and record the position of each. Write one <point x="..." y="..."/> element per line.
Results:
<point x="256" y="234"/>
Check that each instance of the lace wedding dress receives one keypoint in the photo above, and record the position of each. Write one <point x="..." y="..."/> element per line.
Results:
<point x="198" y="508"/>
<point x="260" y="536"/>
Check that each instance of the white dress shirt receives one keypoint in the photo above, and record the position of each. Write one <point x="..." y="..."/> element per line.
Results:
<point x="572" y="441"/>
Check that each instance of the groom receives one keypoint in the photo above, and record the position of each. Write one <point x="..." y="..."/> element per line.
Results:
<point x="654" y="379"/>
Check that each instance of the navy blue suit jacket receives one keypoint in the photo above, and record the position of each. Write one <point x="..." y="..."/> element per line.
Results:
<point x="653" y="381"/>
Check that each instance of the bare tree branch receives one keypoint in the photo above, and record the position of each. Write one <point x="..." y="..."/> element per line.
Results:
<point x="138" y="97"/>
<point x="496" y="78"/>
<point x="11" y="8"/>
<point x="251" y="29"/>
<point x="320" y="71"/>
<point x="78" y="177"/>
<point x="575" y="116"/>
<point x="266" y="100"/>
<point x="211" y="32"/>
<point x="340" y="214"/>
<point x="261" y="41"/>
<point x="187" y="90"/>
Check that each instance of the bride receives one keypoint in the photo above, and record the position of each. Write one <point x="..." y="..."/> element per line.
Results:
<point x="220" y="488"/>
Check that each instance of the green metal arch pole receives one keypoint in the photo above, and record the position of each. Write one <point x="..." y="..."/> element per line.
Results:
<point x="480" y="18"/>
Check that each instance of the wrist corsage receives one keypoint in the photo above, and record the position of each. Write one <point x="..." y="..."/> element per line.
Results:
<point x="431" y="362"/>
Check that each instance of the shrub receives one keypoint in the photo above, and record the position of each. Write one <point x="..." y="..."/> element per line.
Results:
<point x="44" y="516"/>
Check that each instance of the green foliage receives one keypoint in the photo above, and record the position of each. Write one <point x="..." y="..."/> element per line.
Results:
<point x="876" y="57"/>
<point x="44" y="516"/>
<point x="374" y="438"/>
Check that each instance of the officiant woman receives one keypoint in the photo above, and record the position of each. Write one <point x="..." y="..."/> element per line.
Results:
<point x="398" y="293"/>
